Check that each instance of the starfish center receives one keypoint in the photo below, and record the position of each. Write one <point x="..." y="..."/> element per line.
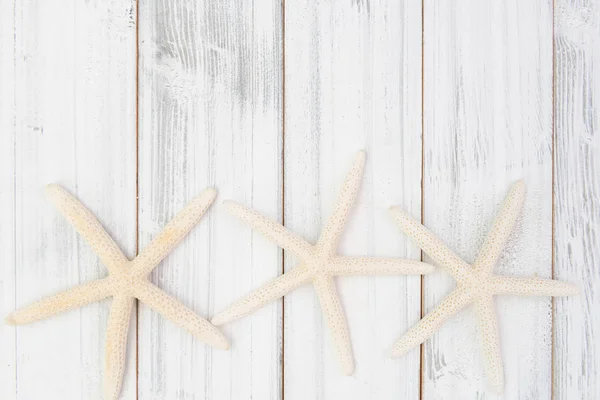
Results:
<point x="126" y="281"/>
<point x="479" y="284"/>
<point x="318" y="264"/>
<point x="314" y="266"/>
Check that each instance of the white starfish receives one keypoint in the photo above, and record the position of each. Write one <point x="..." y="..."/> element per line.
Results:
<point x="476" y="284"/>
<point x="127" y="281"/>
<point x="319" y="264"/>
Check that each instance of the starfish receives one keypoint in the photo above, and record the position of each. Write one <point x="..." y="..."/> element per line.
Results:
<point x="476" y="284"/>
<point x="319" y="264"/>
<point x="127" y="281"/>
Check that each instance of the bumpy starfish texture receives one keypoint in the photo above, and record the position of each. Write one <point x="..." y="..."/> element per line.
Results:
<point x="127" y="281"/>
<point x="319" y="264"/>
<point x="476" y="284"/>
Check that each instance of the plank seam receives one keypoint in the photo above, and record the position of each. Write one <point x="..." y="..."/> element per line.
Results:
<point x="553" y="224"/>
<point x="422" y="278"/>
<point x="283" y="192"/>
<point x="137" y="188"/>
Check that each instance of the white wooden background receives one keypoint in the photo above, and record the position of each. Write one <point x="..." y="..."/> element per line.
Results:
<point x="136" y="106"/>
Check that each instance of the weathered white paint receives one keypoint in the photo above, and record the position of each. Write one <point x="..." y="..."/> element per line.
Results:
<point x="210" y="115"/>
<point x="8" y="337"/>
<point x="577" y="198"/>
<point x="73" y="121"/>
<point x="487" y="123"/>
<point x="353" y="81"/>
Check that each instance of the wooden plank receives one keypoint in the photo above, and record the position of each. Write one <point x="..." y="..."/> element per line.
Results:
<point x="74" y="117"/>
<point x="353" y="81"/>
<point x="210" y="115"/>
<point x="488" y="123"/>
<point x="8" y="338"/>
<point x="577" y="198"/>
<point x="76" y="97"/>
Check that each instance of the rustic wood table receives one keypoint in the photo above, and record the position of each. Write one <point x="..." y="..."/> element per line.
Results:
<point x="136" y="106"/>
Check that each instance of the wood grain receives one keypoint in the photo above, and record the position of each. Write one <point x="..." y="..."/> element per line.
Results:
<point x="211" y="112"/>
<point x="8" y="337"/>
<point x="353" y="82"/>
<point x="210" y="115"/>
<point x="487" y="123"/>
<point x="577" y="198"/>
<point x="73" y="118"/>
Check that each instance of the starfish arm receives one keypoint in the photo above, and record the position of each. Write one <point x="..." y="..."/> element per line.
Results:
<point x="272" y="290"/>
<point x="272" y="230"/>
<point x="88" y="227"/>
<point x="427" y="326"/>
<point x="116" y="346"/>
<point x="487" y="326"/>
<point x="332" y="231"/>
<point x="502" y="228"/>
<point x="75" y="297"/>
<point x="172" y="234"/>
<point x="434" y="247"/>
<point x="336" y="322"/>
<point x="377" y="266"/>
<point x="526" y="286"/>
<point x="180" y="315"/>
